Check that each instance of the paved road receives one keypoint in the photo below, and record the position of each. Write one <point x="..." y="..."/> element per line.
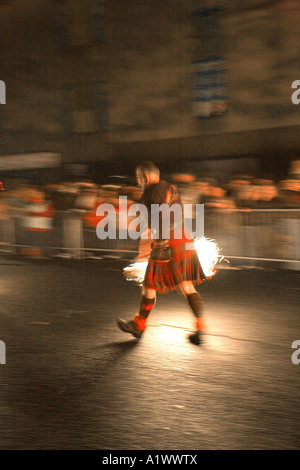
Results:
<point x="72" y="380"/>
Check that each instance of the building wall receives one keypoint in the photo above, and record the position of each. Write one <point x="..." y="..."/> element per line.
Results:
<point x="101" y="79"/>
<point x="152" y="97"/>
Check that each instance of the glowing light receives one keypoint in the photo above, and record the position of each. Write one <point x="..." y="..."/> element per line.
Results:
<point x="208" y="254"/>
<point x="136" y="272"/>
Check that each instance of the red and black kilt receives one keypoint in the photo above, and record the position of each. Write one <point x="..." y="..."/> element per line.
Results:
<point x="183" y="265"/>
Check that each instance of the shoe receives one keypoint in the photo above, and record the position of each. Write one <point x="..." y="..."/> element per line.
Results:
<point x="195" y="338"/>
<point x="129" y="327"/>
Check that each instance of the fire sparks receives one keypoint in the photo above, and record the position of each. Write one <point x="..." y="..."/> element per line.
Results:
<point x="208" y="254"/>
<point x="136" y="272"/>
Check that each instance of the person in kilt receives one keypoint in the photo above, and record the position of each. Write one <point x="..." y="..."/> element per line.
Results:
<point x="172" y="260"/>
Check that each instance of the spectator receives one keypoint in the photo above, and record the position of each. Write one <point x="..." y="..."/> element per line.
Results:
<point x="37" y="224"/>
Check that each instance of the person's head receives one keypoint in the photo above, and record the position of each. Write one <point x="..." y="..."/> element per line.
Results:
<point x="147" y="173"/>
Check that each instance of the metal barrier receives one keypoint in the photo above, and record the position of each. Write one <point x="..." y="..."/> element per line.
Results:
<point x="72" y="234"/>
<point x="7" y="236"/>
<point x="250" y="236"/>
<point x="93" y="245"/>
<point x="257" y="235"/>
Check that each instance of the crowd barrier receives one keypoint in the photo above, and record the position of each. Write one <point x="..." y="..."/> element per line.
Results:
<point x="245" y="236"/>
<point x="254" y="236"/>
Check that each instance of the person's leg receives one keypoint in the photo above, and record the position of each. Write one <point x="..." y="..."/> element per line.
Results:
<point x="146" y="305"/>
<point x="196" y="304"/>
<point x="138" y="324"/>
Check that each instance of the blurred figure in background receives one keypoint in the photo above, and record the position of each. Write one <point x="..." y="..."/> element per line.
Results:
<point x="290" y="192"/>
<point x="37" y="223"/>
<point x="5" y="224"/>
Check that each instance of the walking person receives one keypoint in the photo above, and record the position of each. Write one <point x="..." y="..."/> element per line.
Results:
<point x="172" y="263"/>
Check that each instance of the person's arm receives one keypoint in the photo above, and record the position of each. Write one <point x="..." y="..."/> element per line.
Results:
<point x="145" y="245"/>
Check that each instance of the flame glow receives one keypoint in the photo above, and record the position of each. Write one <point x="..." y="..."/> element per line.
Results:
<point x="208" y="254"/>
<point x="136" y="272"/>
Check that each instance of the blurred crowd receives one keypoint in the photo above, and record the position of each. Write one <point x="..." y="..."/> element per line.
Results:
<point x="241" y="192"/>
<point x="36" y="211"/>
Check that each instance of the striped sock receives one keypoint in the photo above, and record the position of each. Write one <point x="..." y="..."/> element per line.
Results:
<point x="140" y="319"/>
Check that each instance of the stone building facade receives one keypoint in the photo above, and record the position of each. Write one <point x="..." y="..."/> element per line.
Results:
<point x="180" y="79"/>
